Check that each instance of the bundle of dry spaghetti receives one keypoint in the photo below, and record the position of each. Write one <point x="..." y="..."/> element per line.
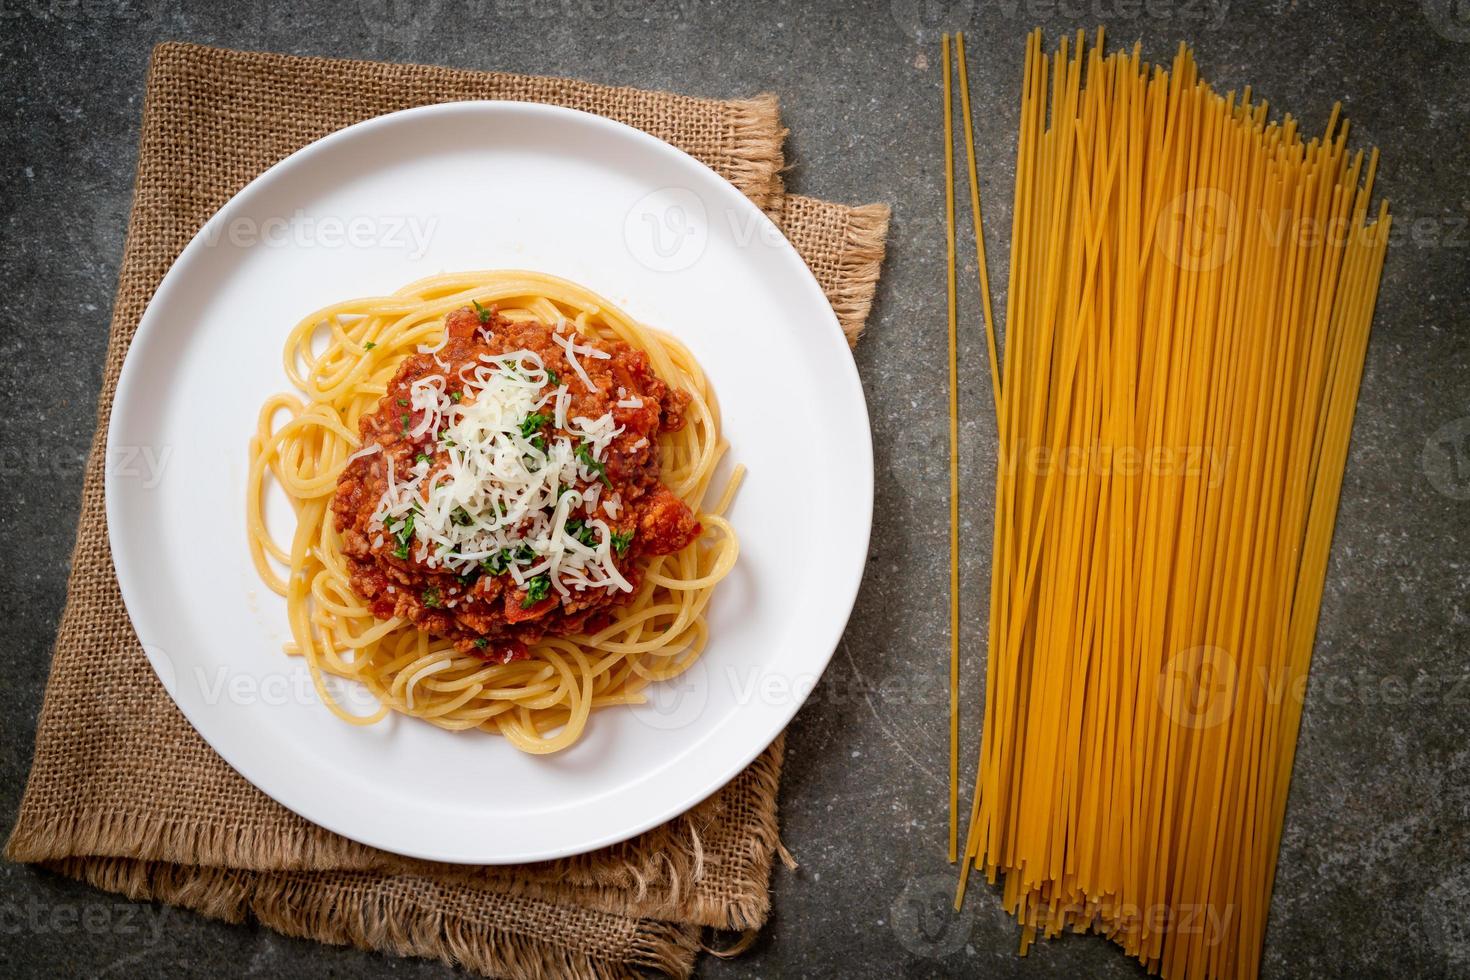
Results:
<point x="1191" y="287"/>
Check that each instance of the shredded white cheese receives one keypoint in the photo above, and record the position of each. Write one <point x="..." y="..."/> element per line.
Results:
<point x="572" y="349"/>
<point x="499" y="490"/>
<point x="367" y="450"/>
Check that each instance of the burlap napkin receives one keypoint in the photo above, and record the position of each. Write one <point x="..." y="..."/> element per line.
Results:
<point x="124" y="794"/>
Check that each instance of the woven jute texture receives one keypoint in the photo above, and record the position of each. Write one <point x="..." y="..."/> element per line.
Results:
<point x="124" y="794"/>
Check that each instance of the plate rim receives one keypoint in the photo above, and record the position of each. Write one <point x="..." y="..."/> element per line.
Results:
<point x="130" y="573"/>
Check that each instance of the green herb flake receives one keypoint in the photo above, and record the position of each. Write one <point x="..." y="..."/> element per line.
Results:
<point x="584" y="453"/>
<point x="403" y="534"/>
<point x="553" y="378"/>
<point x="431" y="598"/>
<point x="582" y="531"/>
<point x="621" y="540"/>
<point x="532" y="422"/>
<point x="499" y="562"/>
<point x="482" y="311"/>
<point x="403" y="403"/>
<point x="455" y="396"/>
<point x="369" y="345"/>
<point x="537" y="589"/>
<point x="481" y="642"/>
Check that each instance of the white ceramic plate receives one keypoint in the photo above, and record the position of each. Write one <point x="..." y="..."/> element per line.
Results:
<point x="451" y="188"/>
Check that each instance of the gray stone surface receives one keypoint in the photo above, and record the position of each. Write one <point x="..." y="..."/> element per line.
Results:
<point x="1375" y="865"/>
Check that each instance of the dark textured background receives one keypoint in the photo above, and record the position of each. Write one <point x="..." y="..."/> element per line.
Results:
<point x="1375" y="864"/>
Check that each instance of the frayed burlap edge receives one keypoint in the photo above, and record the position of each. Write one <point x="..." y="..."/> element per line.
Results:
<point x="625" y="885"/>
<point x="321" y="908"/>
<point x="751" y="156"/>
<point x="848" y="274"/>
<point x="756" y="146"/>
<point x="640" y="877"/>
<point x="862" y="261"/>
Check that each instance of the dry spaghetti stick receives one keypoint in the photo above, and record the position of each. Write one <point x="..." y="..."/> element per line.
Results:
<point x="954" y="469"/>
<point x="979" y="224"/>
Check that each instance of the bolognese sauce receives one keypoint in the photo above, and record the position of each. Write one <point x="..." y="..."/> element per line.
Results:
<point x="508" y="485"/>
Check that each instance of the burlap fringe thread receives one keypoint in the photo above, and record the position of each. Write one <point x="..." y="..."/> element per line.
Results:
<point x="640" y="877"/>
<point x="320" y="907"/>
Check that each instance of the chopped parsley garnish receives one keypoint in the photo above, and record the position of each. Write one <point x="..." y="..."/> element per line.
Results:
<point x="423" y="458"/>
<point x="582" y="531"/>
<point x="403" y="534"/>
<point x="497" y="563"/>
<point x="532" y="422"/>
<point x="369" y="345"/>
<point x="481" y="642"/>
<point x="482" y="311"/>
<point x="537" y="588"/>
<point x="584" y="453"/>
<point x="403" y="403"/>
<point x="539" y="442"/>
<point x="461" y="517"/>
<point x="431" y="598"/>
<point x="621" y="540"/>
<point x="553" y="377"/>
<point x="455" y="396"/>
<point x="404" y="418"/>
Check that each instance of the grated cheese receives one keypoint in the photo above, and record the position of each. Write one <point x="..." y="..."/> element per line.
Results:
<point x="490" y="492"/>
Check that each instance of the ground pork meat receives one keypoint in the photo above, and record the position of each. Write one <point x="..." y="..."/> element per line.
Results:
<point x="485" y="611"/>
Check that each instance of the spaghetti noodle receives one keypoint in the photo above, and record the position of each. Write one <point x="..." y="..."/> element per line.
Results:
<point x="342" y="361"/>
<point x="1191" y="290"/>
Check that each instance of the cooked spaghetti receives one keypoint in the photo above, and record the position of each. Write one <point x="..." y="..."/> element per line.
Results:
<point x="1191" y="290"/>
<point x="498" y="482"/>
